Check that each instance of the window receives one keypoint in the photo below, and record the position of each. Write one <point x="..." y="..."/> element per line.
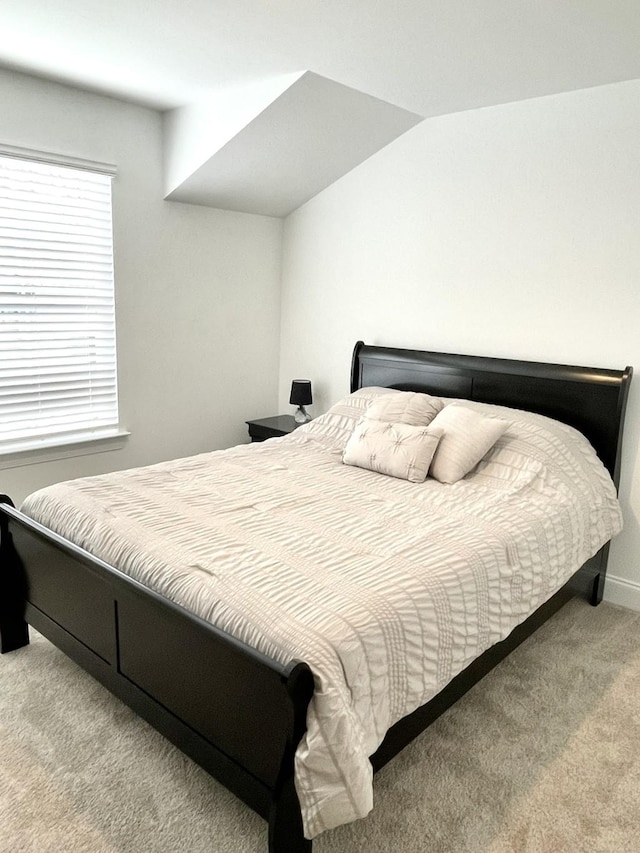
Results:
<point x="57" y="320"/>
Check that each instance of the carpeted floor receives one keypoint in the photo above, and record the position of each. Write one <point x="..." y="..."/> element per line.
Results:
<point x="543" y="756"/>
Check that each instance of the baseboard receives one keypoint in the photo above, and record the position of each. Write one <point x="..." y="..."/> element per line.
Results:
<point x="622" y="592"/>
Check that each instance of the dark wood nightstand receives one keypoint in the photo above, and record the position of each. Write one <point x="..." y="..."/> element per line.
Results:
<point x="271" y="427"/>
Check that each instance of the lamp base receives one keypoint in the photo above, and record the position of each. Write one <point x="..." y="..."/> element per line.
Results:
<point x="301" y="415"/>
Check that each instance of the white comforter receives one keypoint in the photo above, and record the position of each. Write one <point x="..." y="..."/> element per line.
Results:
<point x="387" y="589"/>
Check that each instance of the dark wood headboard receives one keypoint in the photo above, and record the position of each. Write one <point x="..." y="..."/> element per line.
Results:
<point x="593" y="400"/>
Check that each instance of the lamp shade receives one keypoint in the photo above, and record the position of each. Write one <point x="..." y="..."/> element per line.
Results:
<point x="301" y="393"/>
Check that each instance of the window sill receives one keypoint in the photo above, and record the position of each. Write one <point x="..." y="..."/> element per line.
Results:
<point x="81" y="444"/>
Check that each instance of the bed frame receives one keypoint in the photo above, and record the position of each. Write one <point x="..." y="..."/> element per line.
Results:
<point x="237" y="713"/>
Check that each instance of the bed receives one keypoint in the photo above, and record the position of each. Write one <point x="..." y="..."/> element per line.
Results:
<point x="237" y="710"/>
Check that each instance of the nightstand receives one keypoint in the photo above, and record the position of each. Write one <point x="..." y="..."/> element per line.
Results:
<point x="271" y="427"/>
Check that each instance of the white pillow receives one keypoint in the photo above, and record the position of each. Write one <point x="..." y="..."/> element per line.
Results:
<point x="406" y="407"/>
<point x="468" y="436"/>
<point x="398" y="450"/>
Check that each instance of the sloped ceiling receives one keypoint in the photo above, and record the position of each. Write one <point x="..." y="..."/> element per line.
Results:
<point x="426" y="57"/>
<point x="238" y="152"/>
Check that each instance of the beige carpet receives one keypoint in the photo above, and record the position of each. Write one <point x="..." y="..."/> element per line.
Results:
<point x="542" y="757"/>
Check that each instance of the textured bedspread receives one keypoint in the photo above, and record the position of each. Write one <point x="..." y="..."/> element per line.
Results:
<point x="387" y="589"/>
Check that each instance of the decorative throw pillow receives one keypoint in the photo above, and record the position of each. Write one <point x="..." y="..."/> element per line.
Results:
<point x="468" y="436"/>
<point x="398" y="450"/>
<point x="405" y="407"/>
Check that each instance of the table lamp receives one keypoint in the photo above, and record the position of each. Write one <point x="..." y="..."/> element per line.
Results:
<point x="301" y="397"/>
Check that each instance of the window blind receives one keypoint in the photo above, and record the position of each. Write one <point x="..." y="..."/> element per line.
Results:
<point x="57" y="312"/>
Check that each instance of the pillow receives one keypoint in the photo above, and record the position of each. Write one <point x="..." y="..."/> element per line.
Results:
<point x="398" y="450"/>
<point x="406" y="407"/>
<point x="468" y="436"/>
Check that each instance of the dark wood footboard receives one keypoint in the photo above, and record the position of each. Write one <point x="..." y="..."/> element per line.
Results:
<point x="237" y="713"/>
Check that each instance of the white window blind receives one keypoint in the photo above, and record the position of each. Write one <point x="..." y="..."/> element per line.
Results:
<point x="57" y="317"/>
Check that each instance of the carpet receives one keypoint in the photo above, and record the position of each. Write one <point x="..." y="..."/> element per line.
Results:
<point x="543" y="756"/>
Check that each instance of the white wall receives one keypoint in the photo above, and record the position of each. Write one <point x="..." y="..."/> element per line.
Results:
<point x="197" y="290"/>
<point x="194" y="132"/>
<point x="510" y="231"/>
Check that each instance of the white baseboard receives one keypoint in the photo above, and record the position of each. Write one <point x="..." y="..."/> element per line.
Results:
<point x="622" y="592"/>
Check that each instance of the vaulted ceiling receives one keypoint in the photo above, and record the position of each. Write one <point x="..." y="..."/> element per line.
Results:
<point x="425" y="57"/>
